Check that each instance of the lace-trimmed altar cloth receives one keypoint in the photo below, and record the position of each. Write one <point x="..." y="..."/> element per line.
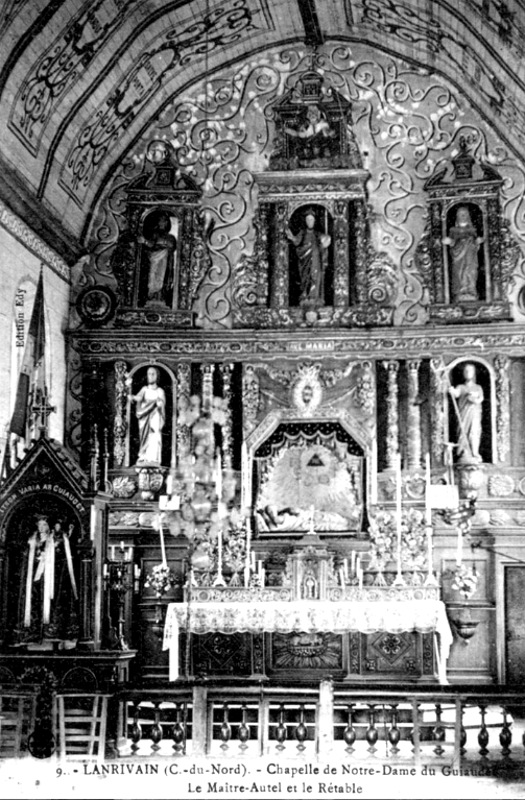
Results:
<point x="424" y="616"/>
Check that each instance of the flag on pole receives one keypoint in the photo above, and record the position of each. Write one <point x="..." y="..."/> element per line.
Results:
<point x="32" y="370"/>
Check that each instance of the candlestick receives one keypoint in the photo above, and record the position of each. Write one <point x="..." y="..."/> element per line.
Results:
<point x="219" y="580"/>
<point x="428" y="504"/>
<point x="399" y="576"/>
<point x="459" y="553"/>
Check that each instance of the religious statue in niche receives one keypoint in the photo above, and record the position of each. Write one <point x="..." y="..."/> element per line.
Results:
<point x="465" y="254"/>
<point x="310" y="261"/>
<point x="158" y="259"/>
<point x="308" y="475"/>
<point x="47" y="581"/>
<point x="150" y="414"/>
<point x="467" y="399"/>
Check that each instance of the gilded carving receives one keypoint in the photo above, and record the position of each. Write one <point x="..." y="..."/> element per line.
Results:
<point x="392" y="431"/>
<point x="183" y="430"/>
<point x="119" y="420"/>
<point x="413" y="416"/>
<point x="250" y="399"/>
<point x="502" y="364"/>
<point x="438" y="388"/>
<point x="501" y="485"/>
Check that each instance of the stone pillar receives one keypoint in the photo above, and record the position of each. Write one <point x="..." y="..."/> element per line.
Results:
<point x="392" y="422"/>
<point x="413" y="417"/>
<point x="502" y="365"/>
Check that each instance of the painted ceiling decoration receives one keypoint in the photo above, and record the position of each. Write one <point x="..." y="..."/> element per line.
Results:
<point x="81" y="82"/>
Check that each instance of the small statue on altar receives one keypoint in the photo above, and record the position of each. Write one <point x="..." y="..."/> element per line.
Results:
<point x="48" y="586"/>
<point x="311" y="248"/>
<point x="151" y="415"/>
<point x="468" y="397"/>
<point x="464" y="243"/>
<point x="159" y="254"/>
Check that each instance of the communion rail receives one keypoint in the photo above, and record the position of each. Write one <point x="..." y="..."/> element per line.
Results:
<point x="443" y="726"/>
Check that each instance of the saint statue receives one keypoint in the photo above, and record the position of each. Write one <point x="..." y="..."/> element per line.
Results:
<point x="159" y="257"/>
<point x="315" y="124"/>
<point x="151" y="416"/>
<point x="311" y="248"/>
<point x="464" y="245"/>
<point x="468" y="398"/>
<point x="48" y="587"/>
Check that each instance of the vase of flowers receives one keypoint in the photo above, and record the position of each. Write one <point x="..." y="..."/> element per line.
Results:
<point x="160" y="579"/>
<point x="465" y="581"/>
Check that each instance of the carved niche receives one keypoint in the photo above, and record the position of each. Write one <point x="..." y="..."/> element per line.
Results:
<point x="467" y="255"/>
<point x="161" y="257"/>
<point x="312" y="262"/>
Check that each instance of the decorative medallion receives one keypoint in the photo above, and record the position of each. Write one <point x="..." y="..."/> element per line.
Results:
<point x="501" y="485"/>
<point x="306" y="391"/>
<point x="124" y="487"/>
<point x="96" y="305"/>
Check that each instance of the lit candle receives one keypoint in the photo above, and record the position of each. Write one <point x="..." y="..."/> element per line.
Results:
<point x="428" y="506"/>
<point x="105" y="570"/>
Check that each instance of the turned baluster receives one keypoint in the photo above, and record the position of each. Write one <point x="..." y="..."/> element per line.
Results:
<point x="394" y="734"/>
<point x="280" y="731"/>
<point x="371" y="732"/>
<point x="225" y="730"/>
<point x="505" y="736"/>
<point x="483" y="735"/>
<point x="463" y="735"/>
<point x="243" y="732"/>
<point x="349" y="734"/>
<point x="156" y="729"/>
<point x="301" y="731"/>
<point x="177" y="733"/>
<point x="136" y="728"/>
<point x="438" y="732"/>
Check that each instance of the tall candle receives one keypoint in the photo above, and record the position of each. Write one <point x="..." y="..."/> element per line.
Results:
<point x="373" y="474"/>
<point x="428" y="506"/>
<point x="245" y="475"/>
<point x="219" y="554"/>
<point x="345" y="567"/>
<point x="248" y="542"/>
<point x="169" y="485"/>
<point x="352" y="570"/>
<point x="218" y="475"/>
<point x="398" y="512"/>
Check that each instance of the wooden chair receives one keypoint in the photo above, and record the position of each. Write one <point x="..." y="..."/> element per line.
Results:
<point x="17" y="720"/>
<point x="82" y="721"/>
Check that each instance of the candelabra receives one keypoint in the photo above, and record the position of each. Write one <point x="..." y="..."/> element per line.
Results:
<point x="121" y="576"/>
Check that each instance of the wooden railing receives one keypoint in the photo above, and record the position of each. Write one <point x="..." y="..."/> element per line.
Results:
<point x="435" y="725"/>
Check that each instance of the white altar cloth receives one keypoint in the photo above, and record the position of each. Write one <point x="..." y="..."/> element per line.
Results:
<point x="424" y="616"/>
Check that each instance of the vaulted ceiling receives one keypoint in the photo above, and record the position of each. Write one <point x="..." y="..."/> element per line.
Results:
<point x="80" y="81"/>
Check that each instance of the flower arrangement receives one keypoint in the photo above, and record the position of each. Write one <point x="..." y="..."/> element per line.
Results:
<point x="383" y="534"/>
<point x="160" y="579"/>
<point x="465" y="580"/>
